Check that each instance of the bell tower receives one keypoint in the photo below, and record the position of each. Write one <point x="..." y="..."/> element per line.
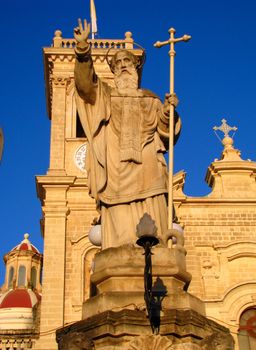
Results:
<point x="68" y="211"/>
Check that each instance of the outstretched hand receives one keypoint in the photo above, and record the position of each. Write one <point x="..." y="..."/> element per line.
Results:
<point x="82" y="33"/>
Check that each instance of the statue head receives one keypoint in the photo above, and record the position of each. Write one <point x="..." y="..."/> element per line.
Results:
<point x="124" y="65"/>
<point x="128" y="57"/>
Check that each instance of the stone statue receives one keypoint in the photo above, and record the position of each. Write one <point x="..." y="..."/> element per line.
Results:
<point x="127" y="130"/>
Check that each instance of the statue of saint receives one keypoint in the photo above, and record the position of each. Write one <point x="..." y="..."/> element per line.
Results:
<point x="127" y="129"/>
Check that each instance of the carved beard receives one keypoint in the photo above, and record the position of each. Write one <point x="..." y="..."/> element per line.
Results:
<point x="126" y="79"/>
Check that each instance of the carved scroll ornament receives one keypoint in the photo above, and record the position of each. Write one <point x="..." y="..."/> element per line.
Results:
<point x="152" y="342"/>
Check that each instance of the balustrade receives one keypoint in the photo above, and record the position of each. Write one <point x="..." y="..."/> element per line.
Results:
<point x="126" y="43"/>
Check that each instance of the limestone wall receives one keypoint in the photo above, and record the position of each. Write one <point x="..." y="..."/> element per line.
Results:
<point x="220" y="238"/>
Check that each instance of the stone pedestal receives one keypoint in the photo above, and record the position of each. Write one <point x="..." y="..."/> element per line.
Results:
<point x="118" y="279"/>
<point x="115" y="317"/>
<point x="130" y="330"/>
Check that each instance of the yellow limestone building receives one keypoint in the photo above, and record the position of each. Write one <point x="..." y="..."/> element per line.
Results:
<point x="220" y="234"/>
<point x="219" y="229"/>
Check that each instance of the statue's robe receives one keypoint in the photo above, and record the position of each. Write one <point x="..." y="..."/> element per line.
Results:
<point x="127" y="172"/>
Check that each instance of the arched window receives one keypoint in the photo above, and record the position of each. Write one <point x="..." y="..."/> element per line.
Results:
<point x="247" y="330"/>
<point x="33" y="277"/>
<point x="22" y="276"/>
<point x="10" y="277"/>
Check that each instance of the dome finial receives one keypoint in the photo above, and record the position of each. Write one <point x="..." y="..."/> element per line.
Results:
<point x="26" y="235"/>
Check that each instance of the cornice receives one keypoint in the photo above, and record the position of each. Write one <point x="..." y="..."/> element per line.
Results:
<point x="229" y="167"/>
<point x="197" y="201"/>
<point x="53" y="181"/>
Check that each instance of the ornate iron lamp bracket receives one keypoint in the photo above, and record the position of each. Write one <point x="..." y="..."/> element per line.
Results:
<point x="146" y="231"/>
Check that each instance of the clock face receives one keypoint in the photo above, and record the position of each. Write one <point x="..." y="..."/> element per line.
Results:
<point x="79" y="157"/>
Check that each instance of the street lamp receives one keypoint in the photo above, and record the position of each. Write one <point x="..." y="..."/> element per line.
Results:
<point x="146" y="233"/>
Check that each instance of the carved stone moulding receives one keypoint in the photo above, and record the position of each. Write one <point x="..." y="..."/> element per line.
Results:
<point x="152" y="342"/>
<point x="62" y="58"/>
<point x="130" y="330"/>
<point x="217" y="341"/>
<point x="60" y="80"/>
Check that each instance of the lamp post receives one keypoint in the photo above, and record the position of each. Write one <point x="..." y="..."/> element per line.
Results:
<point x="146" y="232"/>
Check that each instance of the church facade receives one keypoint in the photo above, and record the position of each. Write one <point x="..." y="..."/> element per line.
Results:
<point x="219" y="229"/>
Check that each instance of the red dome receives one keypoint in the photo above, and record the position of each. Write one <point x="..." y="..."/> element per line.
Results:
<point x="19" y="298"/>
<point x="26" y="245"/>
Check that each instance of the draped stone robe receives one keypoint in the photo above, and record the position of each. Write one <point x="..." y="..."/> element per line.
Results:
<point x="127" y="172"/>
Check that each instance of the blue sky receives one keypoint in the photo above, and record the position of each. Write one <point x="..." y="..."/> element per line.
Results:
<point x="215" y="79"/>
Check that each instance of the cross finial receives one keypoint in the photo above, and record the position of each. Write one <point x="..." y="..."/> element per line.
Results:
<point x="225" y="128"/>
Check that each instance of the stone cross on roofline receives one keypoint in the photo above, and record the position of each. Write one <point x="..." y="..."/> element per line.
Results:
<point x="229" y="152"/>
<point x="225" y="128"/>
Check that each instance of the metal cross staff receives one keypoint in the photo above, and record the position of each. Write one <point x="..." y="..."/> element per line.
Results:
<point x="172" y="41"/>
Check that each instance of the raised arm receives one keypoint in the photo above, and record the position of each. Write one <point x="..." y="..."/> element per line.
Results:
<point x="85" y="77"/>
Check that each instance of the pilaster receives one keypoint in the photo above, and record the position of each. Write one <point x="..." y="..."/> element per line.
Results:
<point x="52" y="191"/>
<point x="57" y="149"/>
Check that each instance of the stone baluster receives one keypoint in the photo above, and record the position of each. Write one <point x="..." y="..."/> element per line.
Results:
<point x="3" y="344"/>
<point x="128" y="40"/>
<point x="57" y="40"/>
